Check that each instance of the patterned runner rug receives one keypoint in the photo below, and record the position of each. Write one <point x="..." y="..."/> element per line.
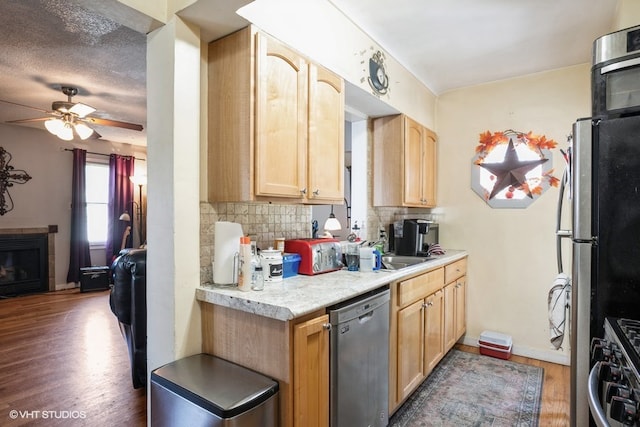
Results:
<point x="467" y="389"/>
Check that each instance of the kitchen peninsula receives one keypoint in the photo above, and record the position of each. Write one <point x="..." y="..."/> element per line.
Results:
<point x="283" y="331"/>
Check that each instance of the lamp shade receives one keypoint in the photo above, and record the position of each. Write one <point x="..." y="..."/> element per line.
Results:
<point x="66" y="132"/>
<point x="83" y="130"/>
<point x="332" y="224"/>
<point x="125" y="217"/>
<point x="54" y="125"/>
<point x="139" y="179"/>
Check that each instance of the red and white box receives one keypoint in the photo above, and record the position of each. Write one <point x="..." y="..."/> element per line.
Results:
<point x="495" y="344"/>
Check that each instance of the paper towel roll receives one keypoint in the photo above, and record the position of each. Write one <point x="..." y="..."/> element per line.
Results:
<point x="226" y="244"/>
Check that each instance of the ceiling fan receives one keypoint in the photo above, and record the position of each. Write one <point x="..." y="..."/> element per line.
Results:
<point x="67" y="118"/>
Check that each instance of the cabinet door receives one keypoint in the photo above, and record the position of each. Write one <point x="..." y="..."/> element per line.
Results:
<point x="311" y="373"/>
<point x="450" y="331"/>
<point x="410" y="348"/>
<point x="281" y="120"/>
<point x="413" y="161"/>
<point x="326" y="136"/>
<point x="429" y="170"/>
<point x="434" y="342"/>
<point x="461" y="306"/>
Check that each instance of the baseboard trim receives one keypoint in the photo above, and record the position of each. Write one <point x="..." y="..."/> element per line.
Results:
<point x="64" y="286"/>
<point x="547" y="356"/>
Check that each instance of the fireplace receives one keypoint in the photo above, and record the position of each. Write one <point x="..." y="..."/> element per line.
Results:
<point x="24" y="264"/>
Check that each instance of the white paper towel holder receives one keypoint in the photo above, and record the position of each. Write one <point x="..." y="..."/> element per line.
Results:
<point x="234" y="273"/>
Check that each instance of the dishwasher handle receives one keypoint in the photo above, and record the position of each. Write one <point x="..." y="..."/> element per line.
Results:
<point x="365" y="317"/>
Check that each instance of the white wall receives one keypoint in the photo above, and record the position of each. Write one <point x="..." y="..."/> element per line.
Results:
<point x="512" y="261"/>
<point x="173" y="263"/>
<point x="46" y="198"/>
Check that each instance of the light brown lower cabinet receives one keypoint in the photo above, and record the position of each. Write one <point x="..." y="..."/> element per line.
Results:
<point x="427" y="318"/>
<point x="311" y="373"/>
<point x="455" y="323"/>
<point x="410" y="345"/>
<point x="295" y="353"/>
<point x="433" y="330"/>
<point x="420" y="341"/>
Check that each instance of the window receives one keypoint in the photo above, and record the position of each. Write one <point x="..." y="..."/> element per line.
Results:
<point x="97" y="193"/>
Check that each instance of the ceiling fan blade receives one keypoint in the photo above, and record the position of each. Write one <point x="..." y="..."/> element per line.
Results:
<point x="27" y="106"/>
<point x="81" y="110"/>
<point x="108" y="122"/>
<point x="39" y="119"/>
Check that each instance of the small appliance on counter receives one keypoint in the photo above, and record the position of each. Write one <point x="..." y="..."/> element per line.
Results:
<point x="412" y="237"/>
<point x="316" y="255"/>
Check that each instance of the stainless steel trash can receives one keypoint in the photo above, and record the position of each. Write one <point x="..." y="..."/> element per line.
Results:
<point x="204" y="390"/>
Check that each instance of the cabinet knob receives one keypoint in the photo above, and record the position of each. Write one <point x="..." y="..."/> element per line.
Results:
<point x="326" y="326"/>
<point x="316" y="193"/>
<point x="303" y="191"/>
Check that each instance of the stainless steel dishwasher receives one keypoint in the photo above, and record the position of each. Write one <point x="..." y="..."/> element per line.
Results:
<point x="359" y="366"/>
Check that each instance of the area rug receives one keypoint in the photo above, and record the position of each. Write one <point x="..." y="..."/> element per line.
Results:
<point x="467" y="389"/>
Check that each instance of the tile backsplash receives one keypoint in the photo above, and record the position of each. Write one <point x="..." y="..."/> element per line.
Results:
<point x="263" y="222"/>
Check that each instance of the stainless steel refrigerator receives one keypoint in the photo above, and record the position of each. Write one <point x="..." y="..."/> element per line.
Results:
<point x="605" y="196"/>
<point x="605" y="236"/>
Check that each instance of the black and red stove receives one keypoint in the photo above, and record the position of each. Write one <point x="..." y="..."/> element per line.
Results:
<point x="614" y="382"/>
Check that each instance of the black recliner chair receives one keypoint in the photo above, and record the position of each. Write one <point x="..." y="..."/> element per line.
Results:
<point x="128" y="301"/>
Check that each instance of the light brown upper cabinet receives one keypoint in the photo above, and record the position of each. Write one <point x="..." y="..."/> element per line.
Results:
<point x="276" y="123"/>
<point x="404" y="163"/>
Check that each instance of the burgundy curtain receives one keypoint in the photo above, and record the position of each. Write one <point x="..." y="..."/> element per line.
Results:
<point x="120" y="200"/>
<point x="79" y="255"/>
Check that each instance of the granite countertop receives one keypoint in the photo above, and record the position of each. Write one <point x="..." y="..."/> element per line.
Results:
<point x="299" y="295"/>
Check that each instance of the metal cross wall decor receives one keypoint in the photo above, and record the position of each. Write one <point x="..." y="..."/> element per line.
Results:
<point x="9" y="176"/>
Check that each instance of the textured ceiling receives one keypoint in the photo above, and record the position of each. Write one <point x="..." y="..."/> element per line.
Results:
<point x="47" y="44"/>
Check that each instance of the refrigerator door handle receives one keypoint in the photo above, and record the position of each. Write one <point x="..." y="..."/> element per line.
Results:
<point x="560" y="233"/>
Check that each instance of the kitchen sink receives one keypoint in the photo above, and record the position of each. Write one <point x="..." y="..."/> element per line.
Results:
<point x="397" y="262"/>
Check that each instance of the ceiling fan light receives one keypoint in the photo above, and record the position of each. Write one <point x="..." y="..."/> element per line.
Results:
<point x="83" y="130"/>
<point x="66" y="132"/>
<point x="54" y="125"/>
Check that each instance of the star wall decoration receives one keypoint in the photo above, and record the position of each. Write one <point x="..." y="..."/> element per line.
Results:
<point x="511" y="169"/>
<point x="511" y="172"/>
<point x="9" y="176"/>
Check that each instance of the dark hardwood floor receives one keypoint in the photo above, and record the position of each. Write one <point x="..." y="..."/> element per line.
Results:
<point x="63" y="362"/>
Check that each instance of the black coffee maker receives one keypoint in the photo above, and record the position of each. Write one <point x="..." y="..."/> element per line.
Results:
<point x="412" y="237"/>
